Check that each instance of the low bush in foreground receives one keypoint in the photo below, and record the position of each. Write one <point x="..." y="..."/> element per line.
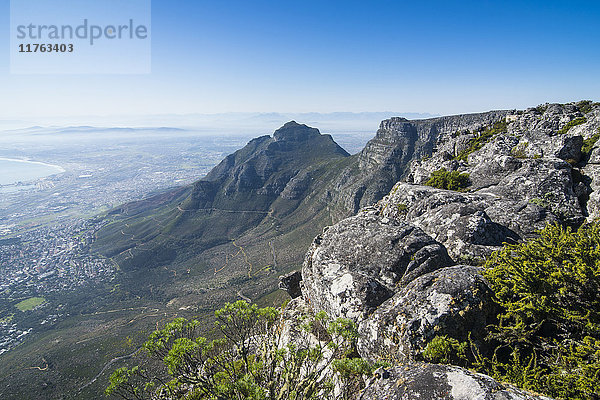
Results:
<point x="547" y="337"/>
<point x="549" y="289"/>
<point x="257" y="357"/>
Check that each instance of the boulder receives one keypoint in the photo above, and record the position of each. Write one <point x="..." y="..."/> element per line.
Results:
<point x="432" y="382"/>
<point x="514" y="206"/>
<point x="291" y="283"/>
<point x="543" y="181"/>
<point x="457" y="220"/>
<point x="454" y="301"/>
<point x="360" y="262"/>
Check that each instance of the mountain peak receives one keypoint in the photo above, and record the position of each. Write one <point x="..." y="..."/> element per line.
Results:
<point x="293" y="131"/>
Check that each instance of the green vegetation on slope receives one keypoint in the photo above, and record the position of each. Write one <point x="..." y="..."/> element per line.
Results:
<point x="585" y="106"/>
<point x="242" y="193"/>
<point x="548" y="291"/>
<point x="481" y="139"/>
<point x="547" y="337"/>
<point x="571" y="124"/>
<point x="449" y="180"/>
<point x="588" y="144"/>
<point x="30" y="304"/>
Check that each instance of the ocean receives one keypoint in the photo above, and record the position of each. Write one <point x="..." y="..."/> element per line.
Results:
<point x="13" y="171"/>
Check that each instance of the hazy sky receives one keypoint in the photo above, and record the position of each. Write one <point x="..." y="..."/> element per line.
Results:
<point x="440" y="57"/>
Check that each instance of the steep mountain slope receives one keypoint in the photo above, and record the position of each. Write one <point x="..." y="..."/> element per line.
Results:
<point x="385" y="159"/>
<point x="262" y="183"/>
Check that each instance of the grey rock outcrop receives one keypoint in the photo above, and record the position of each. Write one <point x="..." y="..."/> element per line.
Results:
<point x="359" y="263"/>
<point x="431" y="381"/>
<point x="291" y="330"/>
<point x="291" y="284"/>
<point x="524" y="176"/>
<point x="411" y="150"/>
<point x="459" y="221"/>
<point x="453" y="301"/>
<point x="591" y="171"/>
<point x="385" y="268"/>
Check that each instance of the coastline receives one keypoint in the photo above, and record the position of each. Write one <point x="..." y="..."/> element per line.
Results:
<point x="52" y="170"/>
<point x="35" y="162"/>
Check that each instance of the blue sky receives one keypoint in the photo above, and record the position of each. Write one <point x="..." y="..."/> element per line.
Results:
<point x="441" y="57"/>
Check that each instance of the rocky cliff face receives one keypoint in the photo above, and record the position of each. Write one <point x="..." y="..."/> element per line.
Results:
<point x="405" y="269"/>
<point x="385" y="158"/>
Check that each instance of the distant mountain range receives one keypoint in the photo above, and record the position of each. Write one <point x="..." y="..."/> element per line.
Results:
<point x="52" y="130"/>
<point x="248" y="123"/>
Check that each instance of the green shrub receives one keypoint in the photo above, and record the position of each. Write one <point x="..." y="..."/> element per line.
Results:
<point x="482" y="138"/>
<point x="520" y="150"/>
<point x="571" y="124"/>
<point x="445" y="350"/>
<point x="547" y="334"/>
<point x="449" y="180"/>
<point x="402" y="208"/>
<point x="249" y="361"/>
<point x="585" y="106"/>
<point x="588" y="144"/>
<point x="554" y="277"/>
<point x="539" y="202"/>
<point x="549" y="327"/>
